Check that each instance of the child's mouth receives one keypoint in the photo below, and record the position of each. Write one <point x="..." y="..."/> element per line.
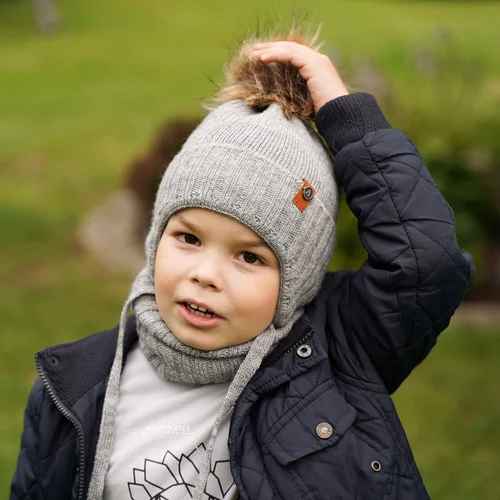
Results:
<point x="197" y="318"/>
<point x="200" y="311"/>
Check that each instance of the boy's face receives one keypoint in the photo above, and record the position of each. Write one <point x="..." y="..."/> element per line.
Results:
<point x="209" y="260"/>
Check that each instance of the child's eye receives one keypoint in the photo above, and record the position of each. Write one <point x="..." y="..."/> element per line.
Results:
<point x="250" y="258"/>
<point x="188" y="238"/>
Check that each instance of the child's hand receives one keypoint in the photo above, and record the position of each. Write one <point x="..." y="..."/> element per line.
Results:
<point x="323" y="81"/>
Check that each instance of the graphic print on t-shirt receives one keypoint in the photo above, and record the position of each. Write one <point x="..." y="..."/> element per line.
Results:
<point x="159" y="430"/>
<point x="174" y="478"/>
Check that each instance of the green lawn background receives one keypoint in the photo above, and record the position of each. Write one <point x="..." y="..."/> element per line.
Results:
<point x="77" y="106"/>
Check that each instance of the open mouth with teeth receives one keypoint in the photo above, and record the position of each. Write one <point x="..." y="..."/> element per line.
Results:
<point x="200" y="311"/>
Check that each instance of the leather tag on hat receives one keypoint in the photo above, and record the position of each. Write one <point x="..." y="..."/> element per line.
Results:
<point x="304" y="196"/>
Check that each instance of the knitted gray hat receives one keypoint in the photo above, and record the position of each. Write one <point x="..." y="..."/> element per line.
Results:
<point x="251" y="165"/>
<point x="259" y="160"/>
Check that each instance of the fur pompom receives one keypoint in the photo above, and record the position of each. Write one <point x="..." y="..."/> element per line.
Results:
<point x="260" y="84"/>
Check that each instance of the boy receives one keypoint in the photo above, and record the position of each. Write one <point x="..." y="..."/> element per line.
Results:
<point x="254" y="374"/>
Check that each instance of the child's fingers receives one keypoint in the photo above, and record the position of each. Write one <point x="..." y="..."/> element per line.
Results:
<point x="263" y="45"/>
<point x="267" y="45"/>
<point x="285" y="52"/>
<point x="322" y="78"/>
<point x="282" y="57"/>
<point x="279" y="47"/>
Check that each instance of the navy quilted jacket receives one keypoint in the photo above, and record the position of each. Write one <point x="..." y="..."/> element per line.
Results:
<point x="316" y="421"/>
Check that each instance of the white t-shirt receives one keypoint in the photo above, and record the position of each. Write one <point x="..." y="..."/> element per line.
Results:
<point x="161" y="431"/>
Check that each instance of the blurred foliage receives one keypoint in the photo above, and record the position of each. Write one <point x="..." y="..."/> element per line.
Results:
<point x="452" y="117"/>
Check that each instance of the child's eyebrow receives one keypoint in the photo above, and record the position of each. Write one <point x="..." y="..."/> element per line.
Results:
<point x="253" y="243"/>
<point x="245" y="243"/>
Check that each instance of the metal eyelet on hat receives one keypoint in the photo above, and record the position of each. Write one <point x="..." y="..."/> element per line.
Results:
<point x="376" y="466"/>
<point x="304" y="350"/>
<point x="324" y="430"/>
<point x="307" y="193"/>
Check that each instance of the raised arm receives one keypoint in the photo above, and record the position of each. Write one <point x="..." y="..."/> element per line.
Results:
<point x="415" y="275"/>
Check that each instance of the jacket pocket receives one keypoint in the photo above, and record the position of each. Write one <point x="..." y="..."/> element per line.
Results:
<point x="316" y="422"/>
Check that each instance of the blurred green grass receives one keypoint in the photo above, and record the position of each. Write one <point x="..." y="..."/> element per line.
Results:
<point x="77" y="106"/>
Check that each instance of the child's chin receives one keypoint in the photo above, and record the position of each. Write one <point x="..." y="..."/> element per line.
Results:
<point x="200" y="340"/>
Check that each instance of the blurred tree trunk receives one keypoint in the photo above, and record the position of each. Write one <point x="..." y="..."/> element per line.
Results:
<point x="47" y="17"/>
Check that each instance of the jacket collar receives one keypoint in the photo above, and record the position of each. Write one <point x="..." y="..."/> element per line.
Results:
<point x="72" y="375"/>
<point x="67" y="366"/>
<point x="297" y="353"/>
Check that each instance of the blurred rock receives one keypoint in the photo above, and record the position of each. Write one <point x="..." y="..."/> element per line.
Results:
<point x="144" y="174"/>
<point x="109" y="232"/>
<point x="114" y="232"/>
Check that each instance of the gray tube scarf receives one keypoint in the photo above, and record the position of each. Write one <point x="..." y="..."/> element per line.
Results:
<point x="177" y="362"/>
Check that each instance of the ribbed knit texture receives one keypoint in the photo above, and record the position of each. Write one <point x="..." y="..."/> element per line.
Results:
<point x="348" y="118"/>
<point x="175" y="361"/>
<point x="248" y="165"/>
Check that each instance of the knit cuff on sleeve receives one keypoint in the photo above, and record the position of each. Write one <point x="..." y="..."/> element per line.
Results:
<point x="348" y="118"/>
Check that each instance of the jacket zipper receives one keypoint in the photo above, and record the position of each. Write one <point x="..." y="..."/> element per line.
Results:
<point x="69" y="416"/>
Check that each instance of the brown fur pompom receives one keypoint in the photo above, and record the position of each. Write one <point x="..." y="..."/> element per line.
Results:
<point x="260" y="84"/>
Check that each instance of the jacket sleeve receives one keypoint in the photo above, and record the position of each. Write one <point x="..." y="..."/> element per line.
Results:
<point x="25" y="482"/>
<point x="415" y="275"/>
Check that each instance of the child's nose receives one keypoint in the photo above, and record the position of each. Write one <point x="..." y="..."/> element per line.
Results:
<point x="208" y="273"/>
